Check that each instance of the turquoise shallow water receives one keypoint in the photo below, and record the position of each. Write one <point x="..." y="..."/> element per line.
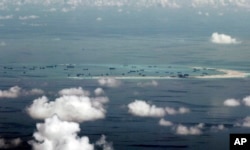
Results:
<point x="104" y="70"/>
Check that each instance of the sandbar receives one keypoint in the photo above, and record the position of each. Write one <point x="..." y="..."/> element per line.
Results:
<point x="226" y="73"/>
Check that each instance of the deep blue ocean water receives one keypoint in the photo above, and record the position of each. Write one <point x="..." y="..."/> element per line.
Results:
<point x="38" y="56"/>
<point x="203" y="97"/>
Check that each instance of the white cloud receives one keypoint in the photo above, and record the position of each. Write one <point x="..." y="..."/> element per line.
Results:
<point x="104" y="144"/>
<point x="56" y="39"/>
<point x="28" y="17"/>
<point x="153" y="83"/>
<point x="197" y="3"/>
<point x="2" y="43"/>
<point x="37" y="25"/>
<point x="17" y="9"/>
<point x="120" y="10"/>
<point x="207" y="14"/>
<point x="234" y="102"/>
<point x="74" y="91"/>
<point x="72" y="4"/>
<point x="193" y="130"/>
<point x="168" y="3"/>
<point x="52" y="10"/>
<point x="55" y="134"/>
<point x="164" y="122"/>
<point x="244" y="123"/>
<point x="231" y="102"/>
<point x="172" y="111"/>
<point x="220" y="3"/>
<point x="69" y="108"/>
<point x="220" y="14"/>
<point x="200" y="13"/>
<point x="7" y="144"/>
<point x="99" y="101"/>
<point x="218" y="127"/>
<point x="223" y="39"/>
<point x="13" y="92"/>
<point x="109" y="82"/>
<point x="6" y="17"/>
<point x="241" y="3"/>
<point x="65" y="10"/>
<point x="98" y="19"/>
<point x="34" y="92"/>
<point x="246" y="101"/>
<point x="17" y="91"/>
<point x="99" y="91"/>
<point x="143" y="109"/>
<point x="183" y="110"/>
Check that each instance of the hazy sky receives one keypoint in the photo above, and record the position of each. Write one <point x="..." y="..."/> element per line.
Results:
<point x="63" y="25"/>
<point x="37" y="13"/>
<point x="120" y="3"/>
<point x="69" y="5"/>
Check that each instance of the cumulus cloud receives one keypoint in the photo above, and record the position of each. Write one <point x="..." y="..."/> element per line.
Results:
<point x="37" y="25"/>
<point x="168" y="3"/>
<point x="2" y="43"/>
<point x="7" y="17"/>
<point x="74" y="91"/>
<point x="69" y="4"/>
<point x="152" y="83"/>
<point x="172" y="111"/>
<point x="218" y="127"/>
<point x="231" y="102"/>
<point x="99" y="101"/>
<point x="203" y="13"/>
<point x="13" y="92"/>
<point x="34" y="92"/>
<point x="17" y="91"/>
<point x="7" y="144"/>
<point x="197" y="3"/>
<point x="69" y="108"/>
<point x="246" y="101"/>
<point x="98" y="19"/>
<point x="28" y="17"/>
<point x="164" y="122"/>
<point x="52" y="10"/>
<point x="99" y="91"/>
<point x="65" y="10"/>
<point x="104" y="144"/>
<point x="223" y="39"/>
<point x="109" y="82"/>
<point x="193" y="130"/>
<point x="220" y="3"/>
<point x="55" y="134"/>
<point x="244" y="123"/>
<point x="144" y="109"/>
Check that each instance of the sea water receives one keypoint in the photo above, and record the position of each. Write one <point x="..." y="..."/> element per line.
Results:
<point x="203" y="97"/>
<point x="57" y="55"/>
